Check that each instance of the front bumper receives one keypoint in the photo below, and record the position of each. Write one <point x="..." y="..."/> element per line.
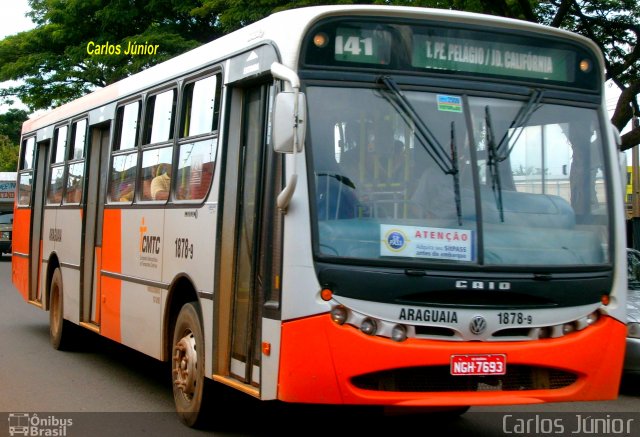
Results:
<point x="322" y="362"/>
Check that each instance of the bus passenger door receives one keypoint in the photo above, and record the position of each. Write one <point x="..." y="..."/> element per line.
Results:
<point x="98" y="152"/>
<point x="37" y="210"/>
<point x="242" y="249"/>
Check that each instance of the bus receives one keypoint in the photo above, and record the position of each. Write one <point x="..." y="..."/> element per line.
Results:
<point x="393" y="207"/>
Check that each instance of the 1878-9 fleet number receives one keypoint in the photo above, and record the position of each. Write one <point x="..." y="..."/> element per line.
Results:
<point x="183" y="248"/>
<point x="515" y="318"/>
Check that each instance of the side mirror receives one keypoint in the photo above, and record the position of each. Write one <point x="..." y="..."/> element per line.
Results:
<point x="622" y="158"/>
<point x="616" y="136"/>
<point x="286" y="127"/>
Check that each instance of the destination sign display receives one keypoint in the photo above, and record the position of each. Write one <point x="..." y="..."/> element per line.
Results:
<point x="493" y="57"/>
<point x="424" y="48"/>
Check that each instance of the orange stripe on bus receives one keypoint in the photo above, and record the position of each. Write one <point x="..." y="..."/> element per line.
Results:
<point x="20" y="244"/>
<point x="111" y="259"/>
<point x="37" y="291"/>
<point x="98" y="282"/>
<point x="110" y="308"/>
<point x="20" y="275"/>
<point x="21" y="230"/>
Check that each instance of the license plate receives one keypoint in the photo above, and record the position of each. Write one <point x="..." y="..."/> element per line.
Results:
<point x="485" y="364"/>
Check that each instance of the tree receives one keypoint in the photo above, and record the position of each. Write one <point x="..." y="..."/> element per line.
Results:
<point x="8" y="154"/>
<point x="72" y="49"/>
<point x="614" y="25"/>
<point x="11" y="124"/>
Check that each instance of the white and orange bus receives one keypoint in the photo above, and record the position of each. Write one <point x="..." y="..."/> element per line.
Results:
<point x="359" y="205"/>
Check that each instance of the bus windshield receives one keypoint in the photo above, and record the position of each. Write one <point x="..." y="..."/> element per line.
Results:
<point x="425" y="178"/>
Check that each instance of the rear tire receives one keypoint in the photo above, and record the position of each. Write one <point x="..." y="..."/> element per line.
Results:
<point x="188" y="366"/>
<point x="60" y="330"/>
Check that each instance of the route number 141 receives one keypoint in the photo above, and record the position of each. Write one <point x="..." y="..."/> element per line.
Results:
<point x="354" y="46"/>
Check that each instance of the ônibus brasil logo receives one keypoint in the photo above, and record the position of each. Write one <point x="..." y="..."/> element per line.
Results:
<point x="33" y="425"/>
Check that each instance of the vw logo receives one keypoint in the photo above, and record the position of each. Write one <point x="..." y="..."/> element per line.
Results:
<point x="478" y="325"/>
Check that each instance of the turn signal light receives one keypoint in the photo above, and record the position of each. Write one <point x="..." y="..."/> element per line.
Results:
<point x="326" y="294"/>
<point x="266" y="348"/>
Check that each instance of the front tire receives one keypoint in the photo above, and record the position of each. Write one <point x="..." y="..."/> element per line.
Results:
<point x="60" y="330"/>
<point x="188" y="366"/>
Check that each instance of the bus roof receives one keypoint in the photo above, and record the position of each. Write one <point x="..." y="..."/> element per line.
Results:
<point x="277" y="28"/>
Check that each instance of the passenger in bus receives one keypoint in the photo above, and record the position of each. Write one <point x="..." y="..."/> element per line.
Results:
<point x="126" y="192"/>
<point x="161" y="183"/>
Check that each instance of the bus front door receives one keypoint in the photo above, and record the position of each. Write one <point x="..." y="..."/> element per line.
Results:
<point x="37" y="209"/>
<point x="241" y="287"/>
<point x="98" y="152"/>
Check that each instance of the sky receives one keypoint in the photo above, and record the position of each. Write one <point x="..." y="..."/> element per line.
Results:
<point x="12" y="21"/>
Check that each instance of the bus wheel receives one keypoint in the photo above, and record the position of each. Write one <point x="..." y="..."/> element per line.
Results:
<point x="60" y="330"/>
<point x="188" y="365"/>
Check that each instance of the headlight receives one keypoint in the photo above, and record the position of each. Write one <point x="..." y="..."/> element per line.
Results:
<point x="369" y="326"/>
<point x="6" y="235"/>
<point x="633" y="330"/>
<point x="399" y="333"/>
<point x="339" y="315"/>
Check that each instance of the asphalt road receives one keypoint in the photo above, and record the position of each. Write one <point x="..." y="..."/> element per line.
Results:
<point x="106" y="389"/>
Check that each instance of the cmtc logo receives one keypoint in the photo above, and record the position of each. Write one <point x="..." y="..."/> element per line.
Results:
<point x="148" y="243"/>
<point x="395" y="240"/>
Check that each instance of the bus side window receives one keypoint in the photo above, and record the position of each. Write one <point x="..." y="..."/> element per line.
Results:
<point x="160" y="117"/>
<point x="26" y="171"/>
<point x="75" y="168"/>
<point x="122" y="176"/>
<point x="56" y="182"/>
<point x="75" y="182"/>
<point x="24" y="189"/>
<point x="54" y="195"/>
<point x="200" y="113"/>
<point x="196" y="166"/>
<point x="155" y="174"/>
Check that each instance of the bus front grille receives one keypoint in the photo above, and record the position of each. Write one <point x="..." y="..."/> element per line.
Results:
<point x="439" y="379"/>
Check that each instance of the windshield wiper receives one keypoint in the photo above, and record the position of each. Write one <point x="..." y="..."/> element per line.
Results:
<point x="518" y="123"/>
<point x="426" y="138"/>
<point x="495" y="157"/>
<point x="492" y="163"/>
<point x="447" y="163"/>
<point x="456" y="174"/>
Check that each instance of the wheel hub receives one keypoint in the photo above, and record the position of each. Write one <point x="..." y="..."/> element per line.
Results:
<point x="185" y="362"/>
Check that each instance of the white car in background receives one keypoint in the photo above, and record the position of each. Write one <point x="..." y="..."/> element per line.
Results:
<point x="6" y="230"/>
<point x="632" y="356"/>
